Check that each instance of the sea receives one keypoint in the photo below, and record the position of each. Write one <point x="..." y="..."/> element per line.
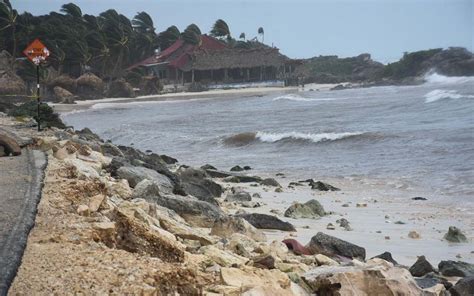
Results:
<point x="421" y="136"/>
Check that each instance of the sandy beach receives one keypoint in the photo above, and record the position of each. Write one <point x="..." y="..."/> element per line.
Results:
<point x="229" y="93"/>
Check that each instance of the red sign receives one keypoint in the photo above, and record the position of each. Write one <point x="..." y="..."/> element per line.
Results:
<point x="36" y="52"/>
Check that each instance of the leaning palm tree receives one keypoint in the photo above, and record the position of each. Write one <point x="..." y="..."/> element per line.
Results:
<point x="8" y="20"/>
<point x="143" y="23"/>
<point x="220" y="29"/>
<point x="168" y="37"/>
<point x="72" y="10"/>
<point x="194" y="28"/>
<point x="242" y="36"/>
<point x="261" y="33"/>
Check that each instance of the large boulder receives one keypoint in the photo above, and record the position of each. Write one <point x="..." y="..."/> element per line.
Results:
<point x="62" y="95"/>
<point x="195" y="212"/>
<point x="196" y="183"/>
<point x="135" y="175"/>
<point x="270" y="182"/>
<point x="296" y="247"/>
<point x="378" y="277"/>
<point x="421" y="267"/>
<point x="330" y="246"/>
<point x="463" y="287"/>
<point x="387" y="256"/>
<point x="264" y="221"/>
<point x="456" y="268"/>
<point x="227" y="226"/>
<point x="311" y="209"/>
<point x="455" y="235"/>
<point x="321" y="186"/>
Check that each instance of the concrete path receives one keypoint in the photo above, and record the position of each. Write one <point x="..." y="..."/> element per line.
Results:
<point x="21" y="180"/>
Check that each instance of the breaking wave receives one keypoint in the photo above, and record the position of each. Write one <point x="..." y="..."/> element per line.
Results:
<point x="439" y="94"/>
<point x="435" y="78"/>
<point x="243" y="139"/>
<point x="294" y="97"/>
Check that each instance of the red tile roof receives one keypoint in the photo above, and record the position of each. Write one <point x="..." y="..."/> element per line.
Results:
<point x="178" y="53"/>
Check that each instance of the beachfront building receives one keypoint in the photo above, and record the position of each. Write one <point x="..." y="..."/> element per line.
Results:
<point x="212" y="62"/>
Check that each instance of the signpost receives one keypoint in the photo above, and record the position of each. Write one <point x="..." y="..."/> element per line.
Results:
<point x="37" y="52"/>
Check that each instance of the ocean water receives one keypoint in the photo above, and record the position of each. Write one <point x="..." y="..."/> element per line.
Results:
<point x="421" y="136"/>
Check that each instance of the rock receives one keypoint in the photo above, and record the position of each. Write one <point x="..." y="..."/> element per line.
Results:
<point x="387" y="256"/>
<point x="321" y="186"/>
<point x="237" y="168"/>
<point x="147" y="190"/>
<point x="214" y="173"/>
<point x="264" y="221"/>
<point x="136" y="174"/>
<point x="400" y="223"/>
<point x="221" y="257"/>
<point x="330" y="226"/>
<point x="296" y="247"/>
<point x="270" y="182"/>
<point x="168" y="159"/>
<point x="227" y="226"/>
<point x="196" y="183"/>
<point x="324" y="260"/>
<point x="247" y="168"/>
<point x="173" y="223"/>
<point x="376" y="278"/>
<point x="432" y="279"/>
<point x="421" y="267"/>
<point x="236" y="238"/>
<point x="256" y="195"/>
<point x="330" y="246"/>
<point x="455" y="235"/>
<point x="2" y="151"/>
<point x="361" y="205"/>
<point x="414" y="235"/>
<point x="456" y="268"/>
<point x="120" y="189"/>
<point x="266" y="261"/>
<point x="242" y="179"/>
<point x="10" y="145"/>
<point x="239" y="196"/>
<point x="96" y="202"/>
<point x="63" y="96"/>
<point x="419" y="198"/>
<point x="250" y="204"/>
<point x="463" y="287"/>
<point x="111" y="150"/>
<point x="278" y="190"/>
<point x="311" y="209"/>
<point x="83" y="210"/>
<point x="195" y="212"/>
<point x="208" y="167"/>
<point x="345" y="205"/>
<point x="249" y="278"/>
<point x="344" y="224"/>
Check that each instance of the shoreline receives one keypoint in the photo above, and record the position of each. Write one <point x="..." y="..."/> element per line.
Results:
<point x="230" y="93"/>
<point x="78" y="220"/>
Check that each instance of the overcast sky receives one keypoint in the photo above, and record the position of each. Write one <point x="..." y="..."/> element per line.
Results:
<point x="306" y="28"/>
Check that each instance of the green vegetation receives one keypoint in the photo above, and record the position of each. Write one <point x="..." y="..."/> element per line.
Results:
<point x="410" y="64"/>
<point x="105" y="45"/>
<point x="29" y="109"/>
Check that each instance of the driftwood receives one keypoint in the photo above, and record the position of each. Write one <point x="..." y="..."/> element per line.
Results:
<point x="10" y="146"/>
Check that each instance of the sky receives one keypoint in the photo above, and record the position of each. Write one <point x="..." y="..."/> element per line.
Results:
<point x="306" y="28"/>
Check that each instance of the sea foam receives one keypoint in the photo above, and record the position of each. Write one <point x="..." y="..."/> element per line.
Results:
<point x="294" y="97"/>
<point x="435" y="78"/>
<point x="316" y="138"/>
<point x="439" y="94"/>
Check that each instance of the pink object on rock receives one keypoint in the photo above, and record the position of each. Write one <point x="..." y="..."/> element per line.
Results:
<point x="296" y="247"/>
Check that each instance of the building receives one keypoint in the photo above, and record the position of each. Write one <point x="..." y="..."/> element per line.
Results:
<point x="212" y="62"/>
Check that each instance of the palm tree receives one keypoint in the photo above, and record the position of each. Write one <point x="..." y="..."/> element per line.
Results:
<point x="189" y="36"/>
<point x="8" y="19"/>
<point x="242" y="36"/>
<point x="72" y="10"/>
<point x="261" y="33"/>
<point x="220" y="29"/>
<point x="143" y="23"/>
<point x="194" y="28"/>
<point x="168" y="37"/>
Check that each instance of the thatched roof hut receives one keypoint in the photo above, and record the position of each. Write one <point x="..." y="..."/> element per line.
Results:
<point x="235" y="58"/>
<point x="90" y="81"/>
<point x="11" y="84"/>
<point x="65" y="82"/>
